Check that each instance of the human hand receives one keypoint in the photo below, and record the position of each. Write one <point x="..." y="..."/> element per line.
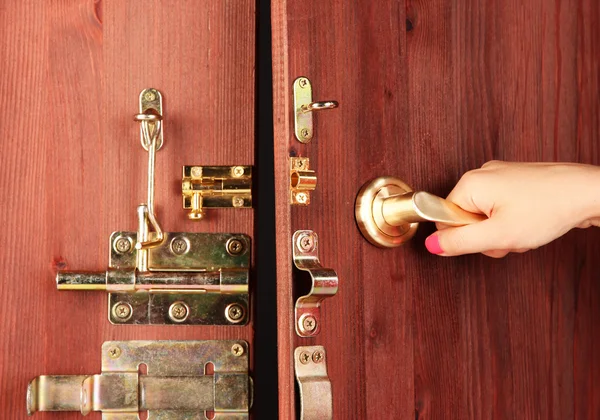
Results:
<point x="527" y="204"/>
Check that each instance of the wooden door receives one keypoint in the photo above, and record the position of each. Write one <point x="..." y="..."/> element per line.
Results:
<point x="429" y="90"/>
<point x="72" y="169"/>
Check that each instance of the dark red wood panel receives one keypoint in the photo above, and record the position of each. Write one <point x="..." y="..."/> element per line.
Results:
<point x="72" y="168"/>
<point x="429" y="90"/>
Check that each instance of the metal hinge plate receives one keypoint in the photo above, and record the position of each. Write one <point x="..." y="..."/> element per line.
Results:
<point x="176" y="385"/>
<point x="216" y="187"/>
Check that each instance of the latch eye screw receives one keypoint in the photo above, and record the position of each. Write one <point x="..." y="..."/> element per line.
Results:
<point x="237" y="350"/>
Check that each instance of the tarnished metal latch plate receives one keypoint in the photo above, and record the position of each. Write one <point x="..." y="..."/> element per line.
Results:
<point x="324" y="282"/>
<point x="176" y="385"/>
<point x="192" y="279"/>
<point x="316" y="398"/>
<point x="216" y="187"/>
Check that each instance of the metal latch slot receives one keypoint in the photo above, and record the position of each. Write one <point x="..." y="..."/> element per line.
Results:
<point x="316" y="398"/>
<point x="174" y="388"/>
<point x="215" y="187"/>
<point x="324" y="282"/>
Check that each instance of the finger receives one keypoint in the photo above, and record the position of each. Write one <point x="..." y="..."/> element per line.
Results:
<point x="479" y="237"/>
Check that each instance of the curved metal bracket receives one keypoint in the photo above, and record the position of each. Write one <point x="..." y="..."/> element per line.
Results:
<point x="305" y="245"/>
<point x="316" y="398"/>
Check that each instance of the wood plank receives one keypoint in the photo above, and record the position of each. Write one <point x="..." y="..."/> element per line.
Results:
<point x="70" y="88"/>
<point x="353" y="52"/>
<point x="514" y="81"/>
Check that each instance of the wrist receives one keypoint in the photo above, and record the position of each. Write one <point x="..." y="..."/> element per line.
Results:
<point x="590" y="181"/>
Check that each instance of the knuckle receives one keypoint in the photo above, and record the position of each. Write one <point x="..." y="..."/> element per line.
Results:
<point x="492" y="164"/>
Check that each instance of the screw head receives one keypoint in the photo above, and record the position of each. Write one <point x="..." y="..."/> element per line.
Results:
<point x="179" y="246"/>
<point x="237" y="171"/>
<point x="149" y="96"/>
<point x="307" y="323"/>
<point x="196" y="171"/>
<point x="122" y="244"/>
<point x="235" y="246"/>
<point x="122" y="311"/>
<point x="237" y="201"/>
<point x="114" y="352"/>
<point x="303" y="82"/>
<point x="299" y="163"/>
<point x="237" y="350"/>
<point x="178" y="312"/>
<point x="304" y="133"/>
<point x="304" y="357"/>
<point x="302" y="197"/>
<point x="306" y="242"/>
<point x="234" y="312"/>
<point x="318" y="356"/>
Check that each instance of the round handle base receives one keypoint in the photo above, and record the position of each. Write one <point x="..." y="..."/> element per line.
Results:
<point x="369" y="215"/>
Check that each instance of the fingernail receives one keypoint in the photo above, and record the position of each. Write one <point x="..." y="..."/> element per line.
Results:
<point x="432" y="243"/>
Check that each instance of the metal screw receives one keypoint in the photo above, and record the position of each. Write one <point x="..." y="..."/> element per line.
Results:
<point x="179" y="246"/>
<point x="237" y="350"/>
<point x="307" y="323"/>
<point x="237" y="201"/>
<point x="301" y="197"/>
<point x="122" y="311"/>
<point x="317" y="356"/>
<point x="304" y="133"/>
<point x="299" y="163"/>
<point x="304" y="357"/>
<point x="235" y="247"/>
<point x="234" y="312"/>
<point x="306" y="242"/>
<point x="178" y="312"/>
<point x="122" y="245"/>
<point x="196" y="171"/>
<point x="303" y="82"/>
<point x="237" y="171"/>
<point x="114" y="352"/>
<point x="150" y="96"/>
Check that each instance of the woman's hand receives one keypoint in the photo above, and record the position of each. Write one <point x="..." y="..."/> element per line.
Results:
<point x="528" y="205"/>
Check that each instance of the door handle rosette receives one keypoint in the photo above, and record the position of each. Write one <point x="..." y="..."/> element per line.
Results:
<point x="388" y="211"/>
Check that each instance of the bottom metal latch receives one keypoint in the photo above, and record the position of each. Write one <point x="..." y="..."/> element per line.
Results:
<point x="316" y="398"/>
<point x="178" y="383"/>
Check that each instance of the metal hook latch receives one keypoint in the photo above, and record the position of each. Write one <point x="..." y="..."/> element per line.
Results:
<point x="304" y="107"/>
<point x="151" y="136"/>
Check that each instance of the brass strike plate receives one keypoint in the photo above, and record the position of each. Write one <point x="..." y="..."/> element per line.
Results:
<point x="316" y="397"/>
<point x="302" y="181"/>
<point x="192" y="279"/>
<point x="205" y="187"/>
<point x="176" y="384"/>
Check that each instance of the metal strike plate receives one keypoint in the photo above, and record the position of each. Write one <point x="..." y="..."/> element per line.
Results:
<point x="216" y="187"/>
<point x="304" y="108"/>
<point x="193" y="279"/>
<point x="316" y="398"/>
<point x="302" y="181"/>
<point x="324" y="283"/>
<point x="175" y="386"/>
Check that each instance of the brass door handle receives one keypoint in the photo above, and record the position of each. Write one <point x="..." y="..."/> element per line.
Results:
<point x="388" y="212"/>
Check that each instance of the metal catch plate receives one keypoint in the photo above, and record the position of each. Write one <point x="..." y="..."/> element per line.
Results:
<point x="316" y="398"/>
<point x="218" y="263"/>
<point x="324" y="283"/>
<point x="175" y="386"/>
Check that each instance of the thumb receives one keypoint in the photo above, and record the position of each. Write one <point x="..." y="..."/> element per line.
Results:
<point x="478" y="237"/>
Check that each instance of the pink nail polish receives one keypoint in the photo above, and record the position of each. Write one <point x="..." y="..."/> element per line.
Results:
<point x="432" y="243"/>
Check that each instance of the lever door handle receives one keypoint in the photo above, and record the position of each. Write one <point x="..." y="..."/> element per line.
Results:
<point x="388" y="212"/>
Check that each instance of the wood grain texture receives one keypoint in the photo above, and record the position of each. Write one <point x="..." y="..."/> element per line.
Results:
<point x="73" y="170"/>
<point x="411" y="335"/>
